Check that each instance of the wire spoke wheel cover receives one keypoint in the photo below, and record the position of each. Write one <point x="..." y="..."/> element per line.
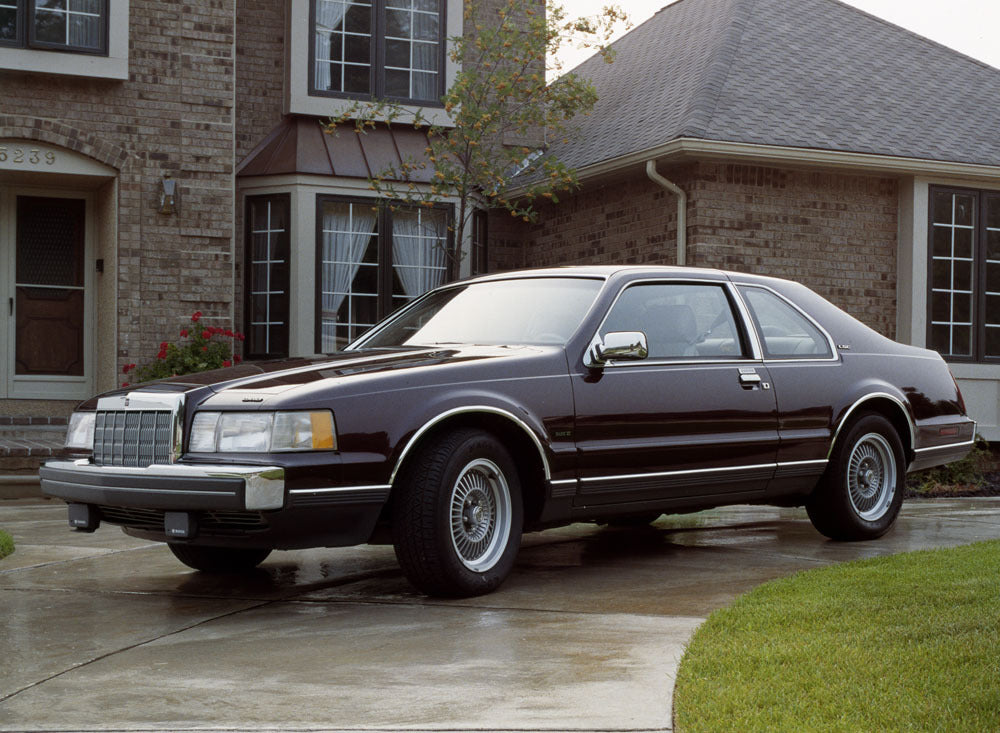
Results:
<point x="871" y="477"/>
<point x="480" y="515"/>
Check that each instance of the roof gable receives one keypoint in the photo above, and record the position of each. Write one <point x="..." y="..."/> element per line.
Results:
<point x="808" y="74"/>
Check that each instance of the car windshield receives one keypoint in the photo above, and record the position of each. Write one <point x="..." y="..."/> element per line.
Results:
<point x="538" y="310"/>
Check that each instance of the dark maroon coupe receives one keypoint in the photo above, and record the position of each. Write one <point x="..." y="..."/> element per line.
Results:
<point x="522" y="401"/>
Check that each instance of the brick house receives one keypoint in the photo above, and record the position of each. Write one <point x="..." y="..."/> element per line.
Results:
<point x="158" y="159"/>
<point x="162" y="158"/>
<point x="806" y="140"/>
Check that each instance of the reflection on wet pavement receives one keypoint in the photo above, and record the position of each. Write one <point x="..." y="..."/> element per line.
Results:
<point x="105" y="631"/>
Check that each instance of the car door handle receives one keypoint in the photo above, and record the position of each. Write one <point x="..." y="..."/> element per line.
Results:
<point x="749" y="380"/>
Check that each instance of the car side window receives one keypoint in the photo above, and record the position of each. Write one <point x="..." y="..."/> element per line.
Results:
<point x="680" y="320"/>
<point x="785" y="333"/>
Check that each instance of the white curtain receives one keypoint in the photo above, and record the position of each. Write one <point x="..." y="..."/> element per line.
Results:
<point x="329" y="17"/>
<point x="347" y="230"/>
<point x="419" y="239"/>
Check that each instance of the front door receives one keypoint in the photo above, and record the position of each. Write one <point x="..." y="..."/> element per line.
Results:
<point x="43" y="243"/>
<point x="695" y="418"/>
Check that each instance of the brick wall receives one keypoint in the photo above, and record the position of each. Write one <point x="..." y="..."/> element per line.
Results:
<point x="625" y="222"/>
<point x="174" y="115"/>
<point x="834" y="232"/>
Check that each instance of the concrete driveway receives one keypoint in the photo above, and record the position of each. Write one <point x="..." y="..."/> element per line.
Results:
<point x="104" y="632"/>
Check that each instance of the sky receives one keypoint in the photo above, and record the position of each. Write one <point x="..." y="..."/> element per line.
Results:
<point x="971" y="27"/>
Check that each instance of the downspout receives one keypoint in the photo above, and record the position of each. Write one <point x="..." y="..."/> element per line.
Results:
<point x="682" y="200"/>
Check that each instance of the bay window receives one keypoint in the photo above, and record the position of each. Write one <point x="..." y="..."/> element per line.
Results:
<point x="373" y="257"/>
<point x="964" y="277"/>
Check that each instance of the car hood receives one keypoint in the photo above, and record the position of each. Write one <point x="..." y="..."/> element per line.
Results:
<point x="264" y="379"/>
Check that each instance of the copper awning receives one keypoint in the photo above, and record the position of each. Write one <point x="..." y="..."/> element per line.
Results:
<point x="299" y="145"/>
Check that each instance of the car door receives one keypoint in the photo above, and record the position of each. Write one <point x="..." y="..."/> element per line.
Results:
<point x="695" y="417"/>
<point x="808" y="379"/>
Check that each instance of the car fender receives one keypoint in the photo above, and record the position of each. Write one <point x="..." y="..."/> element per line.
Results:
<point x="875" y="391"/>
<point x="490" y="404"/>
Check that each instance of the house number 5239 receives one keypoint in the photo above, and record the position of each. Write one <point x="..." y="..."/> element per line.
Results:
<point x="31" y="156"/>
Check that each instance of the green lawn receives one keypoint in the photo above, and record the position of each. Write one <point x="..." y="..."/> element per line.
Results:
<point x="909" y="642"/>
<point x="6" y="544"/>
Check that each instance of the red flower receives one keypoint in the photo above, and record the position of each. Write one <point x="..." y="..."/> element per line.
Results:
<point x="237" y="358"/>
<point x="206" y="335"/>
<point x="184" y="333"/>
<point x="126" y="368"/>
<point x="124" y="384"/>
<point x="196" y="316"/>
<point x="229" y="333"/>
<point x="162" y="354"/>
<point x="227" y="363"/>
<point x="239" y="336"/>
<point x="163" y="346"/>
<point x="204" y="348"/>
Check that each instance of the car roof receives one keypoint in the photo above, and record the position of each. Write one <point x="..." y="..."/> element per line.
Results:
<point x="601" y="271"/>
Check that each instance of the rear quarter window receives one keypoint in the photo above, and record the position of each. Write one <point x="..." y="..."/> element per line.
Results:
<point x="785" y="332"/>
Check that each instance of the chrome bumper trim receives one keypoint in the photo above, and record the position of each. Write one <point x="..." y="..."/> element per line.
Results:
<point x="341" y="489"/>
<point x="264" y="485"/>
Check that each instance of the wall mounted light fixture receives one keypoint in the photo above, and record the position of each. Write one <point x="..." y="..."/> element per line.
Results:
<point x="168" y="195"/>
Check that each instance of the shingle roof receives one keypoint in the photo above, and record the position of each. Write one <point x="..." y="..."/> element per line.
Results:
<point x="802" y="73"/>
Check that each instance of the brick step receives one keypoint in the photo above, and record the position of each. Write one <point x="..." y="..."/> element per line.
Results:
<point x="25" y="444"/>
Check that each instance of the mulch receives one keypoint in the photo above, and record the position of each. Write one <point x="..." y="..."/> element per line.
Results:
<point x="989" y="486"/>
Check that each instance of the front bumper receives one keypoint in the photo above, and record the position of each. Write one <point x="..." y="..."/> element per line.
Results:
<point x="170" y="486"/>
<point x="232" y="505"/>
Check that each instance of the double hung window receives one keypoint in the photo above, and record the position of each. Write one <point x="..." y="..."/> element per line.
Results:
<point x="378" y="49"/>
<point x="964" y="279"/>
<point x="372" y="259"/>
<point x="267" y="281"/>
<point x="58" y="25"/>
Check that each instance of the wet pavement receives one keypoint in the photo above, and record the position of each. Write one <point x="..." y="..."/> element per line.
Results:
<point x="105" y="632"/>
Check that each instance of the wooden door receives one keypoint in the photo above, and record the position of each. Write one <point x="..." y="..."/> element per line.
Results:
<point x="49" y="286"/>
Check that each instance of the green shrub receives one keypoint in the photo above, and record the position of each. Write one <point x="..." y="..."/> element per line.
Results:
<point x="6" y="544"/>
<point x="201" y="348"/>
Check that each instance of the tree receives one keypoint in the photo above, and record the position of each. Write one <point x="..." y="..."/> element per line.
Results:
<point x="503" y="111"/>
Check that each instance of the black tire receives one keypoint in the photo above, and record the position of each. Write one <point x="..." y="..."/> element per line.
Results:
<point x="860" y="494"/>
<point x="457" y="515"/>
<point x="218" y="560"/>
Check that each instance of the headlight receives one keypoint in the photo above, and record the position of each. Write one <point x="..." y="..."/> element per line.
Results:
<point x="80" y="434"/>
<point x="262" y="432"/>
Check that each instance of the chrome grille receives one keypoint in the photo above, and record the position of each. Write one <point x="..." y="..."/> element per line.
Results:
<point x="136" y="438"/>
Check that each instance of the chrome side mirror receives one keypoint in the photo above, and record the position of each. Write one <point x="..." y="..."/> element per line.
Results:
<point x="617" y="346"/>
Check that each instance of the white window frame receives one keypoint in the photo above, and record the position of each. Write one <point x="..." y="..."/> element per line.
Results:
<point x="979" y="382"/>
<point x="72" y="63"/>
<point x="300" y="101"/>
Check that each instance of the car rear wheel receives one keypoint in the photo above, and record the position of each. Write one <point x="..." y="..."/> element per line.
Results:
<point x="457" y="515"/>
<point x="220" y="560"/>
<point x="861" y="492"/>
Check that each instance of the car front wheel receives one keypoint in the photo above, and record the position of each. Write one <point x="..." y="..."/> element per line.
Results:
<point x="457" y="515"/>
<point x="861" y="492"/>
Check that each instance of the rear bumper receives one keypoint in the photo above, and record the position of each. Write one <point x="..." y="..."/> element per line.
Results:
<point x="939" y="449"/>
